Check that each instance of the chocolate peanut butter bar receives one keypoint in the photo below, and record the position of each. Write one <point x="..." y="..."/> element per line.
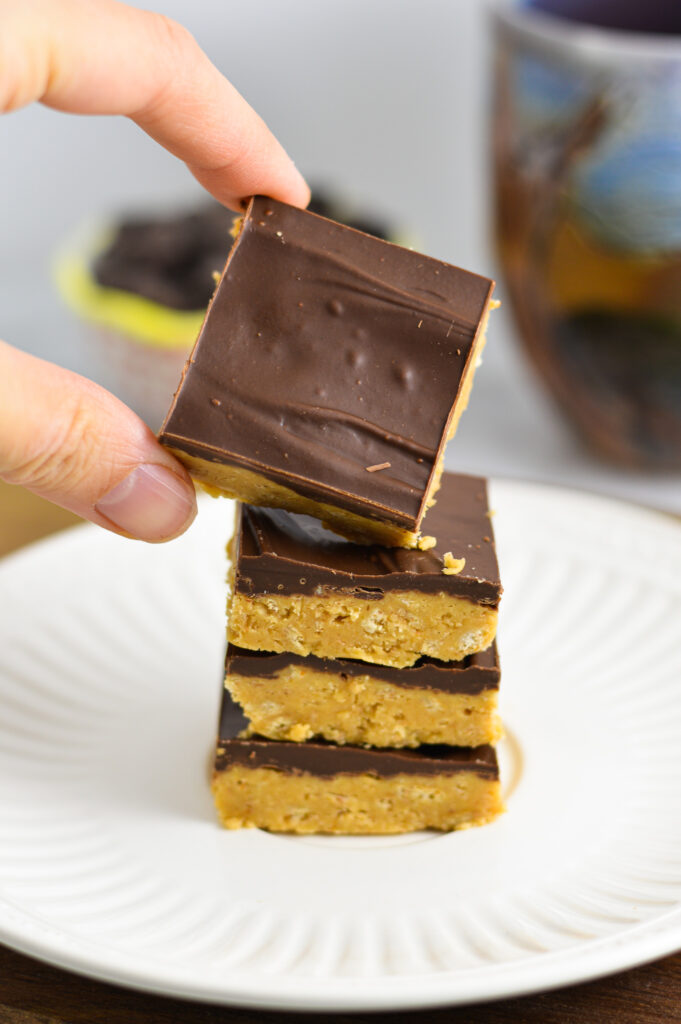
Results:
<point x="330" y="371"/>
<point x="297" y="587"/>
<point x="318" y="787"/>
<point x="288" y="697"/>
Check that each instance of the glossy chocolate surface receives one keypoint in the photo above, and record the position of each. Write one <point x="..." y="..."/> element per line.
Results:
<point x="473" y="675"/>
<point x="280" y="552"/>
<point x="326" y="352"/>
<point x="326" y="760"/>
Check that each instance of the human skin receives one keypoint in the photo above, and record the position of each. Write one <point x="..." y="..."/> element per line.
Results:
<point x="62" y="436"/>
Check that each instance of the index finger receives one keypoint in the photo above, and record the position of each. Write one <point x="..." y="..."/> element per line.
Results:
<point x="103" y="57"/>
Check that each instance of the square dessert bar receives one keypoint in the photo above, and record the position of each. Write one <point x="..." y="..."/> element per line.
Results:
<point x="329" y="373"/>
<point x="318" y="787"/>
<point x="288" y="697"/>
<point x="297" y="587"/>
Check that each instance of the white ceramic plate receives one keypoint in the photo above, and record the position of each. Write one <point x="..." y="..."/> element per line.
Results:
<point x="110" y="859"/>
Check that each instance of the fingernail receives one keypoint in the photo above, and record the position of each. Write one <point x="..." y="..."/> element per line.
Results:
<point x="150" y="503"/>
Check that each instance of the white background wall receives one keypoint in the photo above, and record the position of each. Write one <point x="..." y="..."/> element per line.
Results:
<point x="378" y="96"/>
<point x="385" y="99"/>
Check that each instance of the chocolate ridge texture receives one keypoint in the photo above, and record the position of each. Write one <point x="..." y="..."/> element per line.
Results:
<point x="326" y="353"/>
<point x="286" y="553"/>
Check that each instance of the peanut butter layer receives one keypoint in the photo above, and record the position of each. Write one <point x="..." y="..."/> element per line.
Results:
<point x="318" y="787"/>
<point x="397" y="630"/>
<point x="286" y="697"/>
<point x="339" y="381"/>
<point x="357" y="804"/>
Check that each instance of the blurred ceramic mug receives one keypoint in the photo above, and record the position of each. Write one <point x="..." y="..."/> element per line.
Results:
<point x="587" y="162"/>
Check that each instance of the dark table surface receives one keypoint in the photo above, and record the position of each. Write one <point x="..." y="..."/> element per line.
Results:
<point x="35" y="993"/>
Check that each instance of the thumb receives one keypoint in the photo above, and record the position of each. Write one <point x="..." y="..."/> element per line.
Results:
<point x="72" y="442"/>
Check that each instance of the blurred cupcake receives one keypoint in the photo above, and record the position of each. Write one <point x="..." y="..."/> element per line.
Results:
<point x="143" y="284"/>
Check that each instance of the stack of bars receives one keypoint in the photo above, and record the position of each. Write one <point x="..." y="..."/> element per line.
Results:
<point x="372" y="708"/>
<point x="362" y="675"/>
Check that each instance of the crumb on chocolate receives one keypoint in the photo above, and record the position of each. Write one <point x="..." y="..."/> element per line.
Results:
<point x="426" y="543"/>
<point x="452" y="566"/>
<point x="216" y="275"/>
<point x="379" y="465"/>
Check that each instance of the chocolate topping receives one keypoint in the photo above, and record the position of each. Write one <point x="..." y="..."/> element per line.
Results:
<point x="473" y="675"/>
<point x="281" y="552"/>
<point x="328" y="760"/>
<point x="329" y="351"/>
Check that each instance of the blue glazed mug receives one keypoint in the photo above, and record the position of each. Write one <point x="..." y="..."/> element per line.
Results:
<point x="587" y="164"/>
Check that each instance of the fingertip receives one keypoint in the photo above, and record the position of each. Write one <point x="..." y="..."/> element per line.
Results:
<point x="300" y="191"/>
<point x="283" y="181"/>
<point x="289" y="188"/>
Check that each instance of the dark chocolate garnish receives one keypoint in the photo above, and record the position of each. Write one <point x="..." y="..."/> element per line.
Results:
<point x="168" y="259"/>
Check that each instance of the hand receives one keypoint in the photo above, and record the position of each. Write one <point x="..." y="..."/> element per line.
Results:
<point x="62" y="436"/>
